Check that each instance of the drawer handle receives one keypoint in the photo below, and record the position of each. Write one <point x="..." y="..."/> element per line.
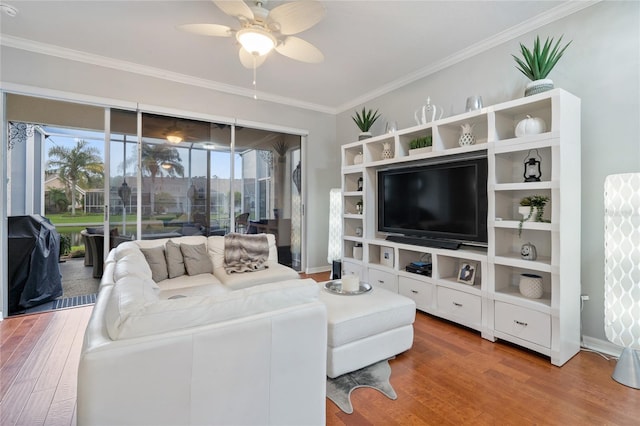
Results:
<point x="414" y="291"/>
<point x="524" y="324"/>
<point x="457" y="304"/>
<point x="381" y="281"/>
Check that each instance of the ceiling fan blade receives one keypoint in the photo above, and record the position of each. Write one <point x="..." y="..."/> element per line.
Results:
<point x="246" y="59"/>
<point x="300" y="50"/>
<point x="235" y="8"/>
<point x="207" y="29"/>
<point x="292" y="18"/>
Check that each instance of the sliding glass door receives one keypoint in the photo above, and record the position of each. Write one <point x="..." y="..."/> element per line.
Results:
<point x="143" y="175"/>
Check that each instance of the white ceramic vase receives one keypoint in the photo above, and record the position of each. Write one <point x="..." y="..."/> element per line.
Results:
<point x="525" y="210"/>
<point x="538" y="86"/>
<point x="387" y="153"/>
<point x="531" y="286"/>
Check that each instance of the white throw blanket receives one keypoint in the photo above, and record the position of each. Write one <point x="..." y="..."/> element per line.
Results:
<point x="245" y="253"/>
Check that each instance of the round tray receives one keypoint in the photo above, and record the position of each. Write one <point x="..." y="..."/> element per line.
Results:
<point x="335" y="287"/>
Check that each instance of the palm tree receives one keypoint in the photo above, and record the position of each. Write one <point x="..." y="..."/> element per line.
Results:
<point x="158" y="160"/>
<point x="58" y="200"/>
<point x="77" y="166"/>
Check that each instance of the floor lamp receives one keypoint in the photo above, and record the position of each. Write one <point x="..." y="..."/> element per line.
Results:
<point x="622" y="273"/>
<point x="334" y="255"/>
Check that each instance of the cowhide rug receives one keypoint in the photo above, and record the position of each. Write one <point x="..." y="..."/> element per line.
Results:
<point x="375" y="376"/>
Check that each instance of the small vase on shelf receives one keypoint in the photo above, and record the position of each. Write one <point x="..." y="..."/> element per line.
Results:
<point x="387" y="153"/>
<point x="467" y="138"/>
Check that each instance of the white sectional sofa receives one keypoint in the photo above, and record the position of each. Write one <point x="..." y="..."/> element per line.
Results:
<point x="207" y="348"/>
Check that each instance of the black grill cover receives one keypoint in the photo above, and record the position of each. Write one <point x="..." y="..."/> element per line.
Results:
<point x="34" y="272"/>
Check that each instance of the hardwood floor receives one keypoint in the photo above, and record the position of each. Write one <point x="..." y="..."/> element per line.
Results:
<point x="450" y="376"/>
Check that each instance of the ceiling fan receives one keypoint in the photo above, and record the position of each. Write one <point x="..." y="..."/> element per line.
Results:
<point x="262" y="30"/>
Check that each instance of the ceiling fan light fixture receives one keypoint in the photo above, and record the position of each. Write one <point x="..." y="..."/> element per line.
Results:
<point x="174" y="139"/>
<point x="256" y="40"/>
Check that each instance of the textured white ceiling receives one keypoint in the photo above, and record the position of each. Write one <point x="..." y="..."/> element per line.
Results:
<point x="368" y="45"/>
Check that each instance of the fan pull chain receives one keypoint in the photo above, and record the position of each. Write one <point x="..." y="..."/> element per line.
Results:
<point x="255" y="88"/>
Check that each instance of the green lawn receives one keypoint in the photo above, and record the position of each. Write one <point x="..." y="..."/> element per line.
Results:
<point x="85" y="219"/>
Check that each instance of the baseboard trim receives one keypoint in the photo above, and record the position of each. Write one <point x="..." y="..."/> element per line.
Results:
<point x="603" y="346"/>
<point x="318" y="270"/>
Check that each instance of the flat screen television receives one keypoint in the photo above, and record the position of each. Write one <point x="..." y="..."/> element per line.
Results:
<point x="440" y="202"/>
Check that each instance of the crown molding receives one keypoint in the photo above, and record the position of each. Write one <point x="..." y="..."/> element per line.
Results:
<point x="559" y="12"/>
<point x="509" y="34"/>
<point x="120" y="65"/>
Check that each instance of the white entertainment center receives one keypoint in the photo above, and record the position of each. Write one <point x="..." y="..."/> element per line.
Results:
<point x="493" y="305"/>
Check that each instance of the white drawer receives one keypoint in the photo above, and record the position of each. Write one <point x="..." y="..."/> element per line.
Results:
<point x="352" y="268"/>
<point x="523" y="323"/>
<point x="460" y="306"/>
<point x="419" y="291"/>
<point x="386" y="280"/>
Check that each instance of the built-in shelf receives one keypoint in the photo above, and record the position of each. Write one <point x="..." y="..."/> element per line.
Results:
<point x="493" y="305"/>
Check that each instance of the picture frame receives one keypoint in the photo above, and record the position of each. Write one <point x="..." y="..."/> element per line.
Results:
<point x="467" y="272"/>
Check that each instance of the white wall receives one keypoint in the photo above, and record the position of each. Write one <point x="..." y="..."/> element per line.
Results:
<point x="19" y="67"/>
<point x="602" y="67"/>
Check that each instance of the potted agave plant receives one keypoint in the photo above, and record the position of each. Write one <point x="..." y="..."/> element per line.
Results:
<point x="364" y="120"/>
<point x="536" y="64"/>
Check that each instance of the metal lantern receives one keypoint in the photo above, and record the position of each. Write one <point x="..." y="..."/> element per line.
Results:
<point x="124" y="192"/>
<point x="532" y="172"/>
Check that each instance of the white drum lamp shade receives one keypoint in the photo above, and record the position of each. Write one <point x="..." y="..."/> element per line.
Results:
<point x="622" y="273"/>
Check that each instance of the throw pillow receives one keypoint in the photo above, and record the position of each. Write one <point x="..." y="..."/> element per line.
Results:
<point x="196" y="259"/>
<point x="175" y="262"/>
<point x="157" y="262"/>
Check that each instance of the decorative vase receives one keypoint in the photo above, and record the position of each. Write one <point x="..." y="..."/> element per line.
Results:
<point x="386" y="151"/>
<point x="531" y="286"/>
<point x="538" y="86"/>
<point x="364" y="135"/>
<point x="357" y="159"/>
<point x="525" y="210"/>
<point x="359" y="206"/>
<point x="466" y="138"/>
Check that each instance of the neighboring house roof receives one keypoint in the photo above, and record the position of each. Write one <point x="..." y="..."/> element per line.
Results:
<point x="55" y="182"/>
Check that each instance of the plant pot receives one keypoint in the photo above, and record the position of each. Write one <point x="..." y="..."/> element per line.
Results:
<point x="538" y="86"/>
<point x="531" y="286"/>
<point x="525" y="210"/>
<point x="364" y="135"/>
<point x="418" y="151"/>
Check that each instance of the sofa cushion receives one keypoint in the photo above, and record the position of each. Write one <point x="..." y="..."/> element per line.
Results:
<point x="129" y="296"/>
<point x="194" y="239"/>
<point x="134" y="264"/>
<point x="175" y="262"/>
<point x="196" y="259"/>
<point x="210" y="289"/>
<point x="157" y="262"/>
<point x="185" y="281"/>
<point x="274" y="272"/>
<point x="145" y="317"/>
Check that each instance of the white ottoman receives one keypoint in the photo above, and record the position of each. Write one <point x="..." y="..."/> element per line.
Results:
<point x="366" y="328"/>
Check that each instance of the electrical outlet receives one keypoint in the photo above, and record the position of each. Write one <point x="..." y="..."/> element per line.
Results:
<point x="584" y="297"/>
